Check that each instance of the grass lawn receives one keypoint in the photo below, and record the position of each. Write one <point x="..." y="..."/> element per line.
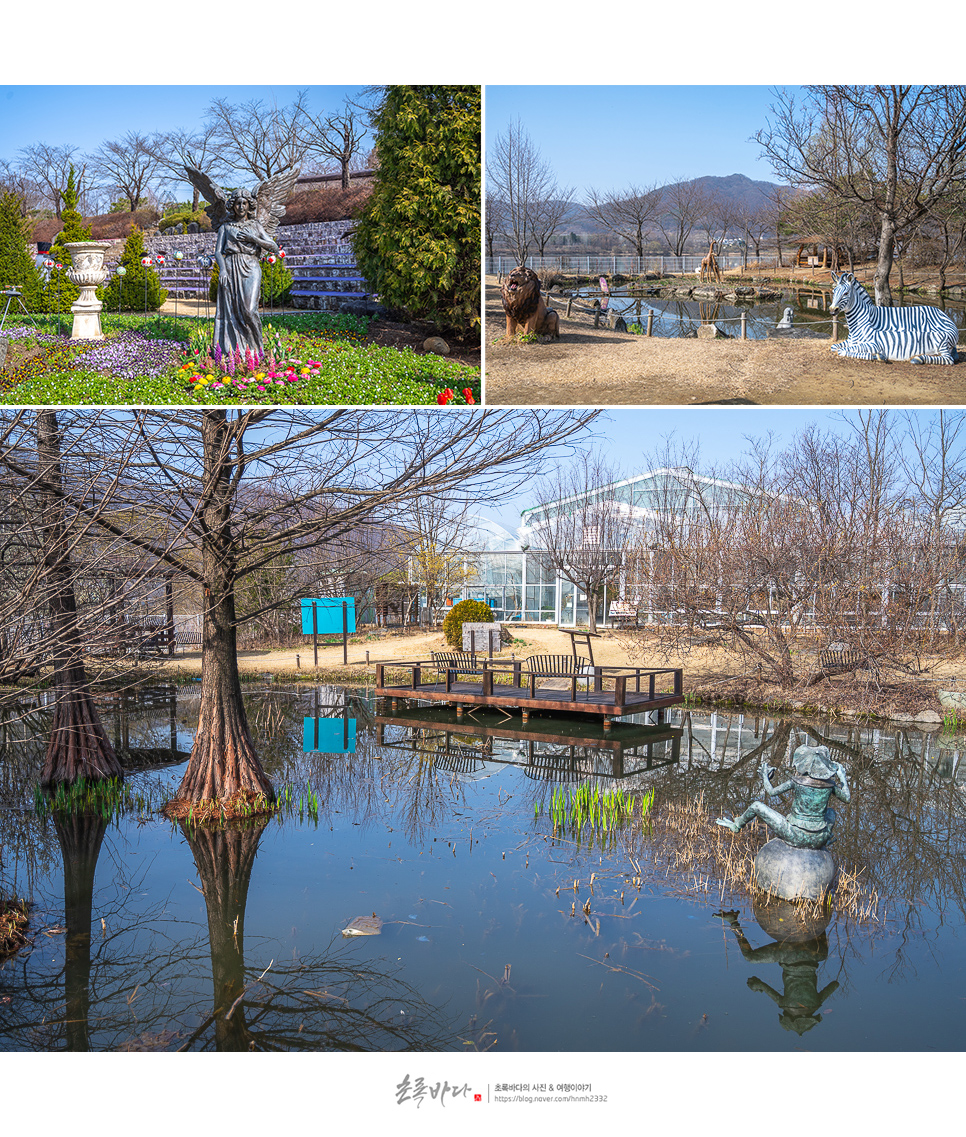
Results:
<point x="310" y="358"/>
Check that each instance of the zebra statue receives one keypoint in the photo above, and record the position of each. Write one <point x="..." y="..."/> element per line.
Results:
<point x="920" y="334"/>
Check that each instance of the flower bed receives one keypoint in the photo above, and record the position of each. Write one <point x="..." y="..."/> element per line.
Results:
<point x="315" y="359"/>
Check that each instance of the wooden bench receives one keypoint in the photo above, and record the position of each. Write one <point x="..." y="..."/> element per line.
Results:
<point x="559" y="667"/>
<point x="459" y="662"/>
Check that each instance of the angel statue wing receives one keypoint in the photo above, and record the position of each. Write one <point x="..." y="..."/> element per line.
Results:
<point x="217" y="208"/>
<point x="271" y="196"/>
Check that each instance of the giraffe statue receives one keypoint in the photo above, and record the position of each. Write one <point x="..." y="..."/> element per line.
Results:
<point x="709" y="265"/>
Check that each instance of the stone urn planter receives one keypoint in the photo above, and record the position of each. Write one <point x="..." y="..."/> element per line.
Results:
<point x="87" y="272"/>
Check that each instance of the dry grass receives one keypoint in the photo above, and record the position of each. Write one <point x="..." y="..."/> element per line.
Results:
<point x="239" y="806"/>
<point x="599" y="367"/>
<point x="14" y="918"/>
<point x="705" y="859"/>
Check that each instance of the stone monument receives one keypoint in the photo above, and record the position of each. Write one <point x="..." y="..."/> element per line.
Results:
<point x="796" y="865"/>
<point x="87" y="272"/>
<point x="482" y="637"/>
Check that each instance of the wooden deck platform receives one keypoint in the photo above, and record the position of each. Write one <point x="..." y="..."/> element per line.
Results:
<point x="610" y="692"/>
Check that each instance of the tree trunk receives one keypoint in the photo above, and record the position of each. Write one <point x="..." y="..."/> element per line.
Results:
<point x="223" y="760"/>
<point x="78" y="746"/>
<point x="887" y="242"/>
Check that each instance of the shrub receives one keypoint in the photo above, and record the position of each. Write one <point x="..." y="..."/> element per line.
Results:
<point x="331" y="203"/>
<point x="276" y="284"/>
<point x="418" y="241"/>
<point x="185" y="217"/>
<point x="465" y="612"/>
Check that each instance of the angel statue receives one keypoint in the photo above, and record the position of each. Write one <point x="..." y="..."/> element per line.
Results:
<point x="246" y="221"/>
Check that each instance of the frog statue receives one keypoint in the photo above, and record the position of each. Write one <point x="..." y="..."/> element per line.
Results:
<point x="796" y="865"/>
<point x="808" y="824"/>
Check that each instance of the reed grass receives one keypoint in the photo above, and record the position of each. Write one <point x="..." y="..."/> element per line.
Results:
<point x="603" y="813"/>
<point x="709" y="860"/>
<point x="109" y="798"/>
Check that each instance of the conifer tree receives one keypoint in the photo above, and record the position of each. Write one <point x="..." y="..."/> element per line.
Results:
<point x="418" y="242"/>
<point x="59" y="293"/>
<point x="16" y="266"/>
<point x="127" y="290"/>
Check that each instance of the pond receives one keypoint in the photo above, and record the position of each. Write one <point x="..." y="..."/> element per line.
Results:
<point x="678" y="317"/>
<point x="497" y="930"/>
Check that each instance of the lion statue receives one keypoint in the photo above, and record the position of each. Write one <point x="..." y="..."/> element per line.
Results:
<point x="524" y="305"/>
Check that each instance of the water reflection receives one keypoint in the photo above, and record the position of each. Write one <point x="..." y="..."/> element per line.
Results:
<point x="432" y="822"/>
<point x="799" y="957"/>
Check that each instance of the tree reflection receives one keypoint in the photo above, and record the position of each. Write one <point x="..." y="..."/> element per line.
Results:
<point x="314" y="1003"/>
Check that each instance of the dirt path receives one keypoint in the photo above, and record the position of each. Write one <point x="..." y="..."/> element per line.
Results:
<point x="604" y="367"/>
<point x="710" y="676"/>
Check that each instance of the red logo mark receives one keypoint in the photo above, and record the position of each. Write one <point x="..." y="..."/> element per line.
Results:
<point x="477" y="1097"/>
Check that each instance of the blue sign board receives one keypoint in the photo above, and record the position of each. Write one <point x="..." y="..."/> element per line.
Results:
<point x="328" y="613"/>
<point x="329" y="736"/>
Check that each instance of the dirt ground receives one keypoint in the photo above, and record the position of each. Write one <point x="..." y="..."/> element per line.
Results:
<point x="605" y="367"/>
<point x="708" y="676"/>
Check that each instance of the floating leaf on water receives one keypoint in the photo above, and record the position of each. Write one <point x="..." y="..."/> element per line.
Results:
<point x="363" y="926"/>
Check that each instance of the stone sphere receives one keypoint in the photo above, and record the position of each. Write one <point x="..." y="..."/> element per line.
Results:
<point x="793" y="873"/>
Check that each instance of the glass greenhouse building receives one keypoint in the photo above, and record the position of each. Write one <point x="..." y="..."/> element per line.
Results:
<point x="516" y="578"/>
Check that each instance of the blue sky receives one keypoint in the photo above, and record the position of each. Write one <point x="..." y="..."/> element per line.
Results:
<point x="612" y="137"/>
<point x="628" y="436"/>
<point x="86" y="116"/>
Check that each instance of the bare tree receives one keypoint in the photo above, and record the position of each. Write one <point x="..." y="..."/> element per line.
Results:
<point x="49" y="167"/>
<point x="175" y="149"/>
<point x="825" y="546"/>
<point x="495" y="222"/>
<point x="338" y="136"/>
<point x="720" y="215"/>
<point x="15" y="179"/>
<point x="439" y="542"/>
<point x="260" y="138"/>
<point x="332" y="474"/>
<point x="682" y="206"/>
<point x="897" y="150"/>
<point x="126" y="165"/>
<point x="630" y="214"/>
<point x="532" y="201"/>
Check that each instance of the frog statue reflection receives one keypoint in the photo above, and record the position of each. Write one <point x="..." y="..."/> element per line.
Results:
<point x="247" y="221"/>
<point x="797" y="865"/>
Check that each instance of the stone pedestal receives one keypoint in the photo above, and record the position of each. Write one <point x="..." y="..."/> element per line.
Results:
<point x="87" y="272"/>
<point x="793" y="873"/>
